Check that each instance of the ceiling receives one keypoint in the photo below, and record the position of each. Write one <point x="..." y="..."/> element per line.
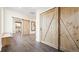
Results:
<point x="29" y="11"/>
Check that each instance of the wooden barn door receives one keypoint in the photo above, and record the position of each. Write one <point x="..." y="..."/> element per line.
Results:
<point x="70" y="29"/>
<point x="49" y="27"/>
<point x="67" y="32"/>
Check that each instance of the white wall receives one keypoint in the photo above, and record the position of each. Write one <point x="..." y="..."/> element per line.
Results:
<point x="8" y="21"/>
<point x="9" y="13"/>
<point x="0" y="20"/>
<point x="38" y="37"/>
<point x="1" y="24"/>
<point x="0" y="29"/>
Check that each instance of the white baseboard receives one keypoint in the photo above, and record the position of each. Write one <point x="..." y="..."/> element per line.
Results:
<point x="49" y="44"/>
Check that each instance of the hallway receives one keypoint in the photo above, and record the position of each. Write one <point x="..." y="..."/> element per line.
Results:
<point x="42" y="28"/>
<point x="27" y="43"/>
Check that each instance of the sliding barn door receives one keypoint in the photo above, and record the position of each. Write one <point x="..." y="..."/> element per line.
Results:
<point x="49" y="27"/>
<point x="26" y="27"/>
<point x="70" y="29"/>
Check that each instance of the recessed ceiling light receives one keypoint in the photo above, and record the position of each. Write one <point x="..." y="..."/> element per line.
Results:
<point x="32" y="12"/>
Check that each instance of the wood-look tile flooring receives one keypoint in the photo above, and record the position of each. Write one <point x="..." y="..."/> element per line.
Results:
<point x="27" y="43"/>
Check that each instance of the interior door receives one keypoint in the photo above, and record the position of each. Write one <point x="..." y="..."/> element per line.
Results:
<point x="49" y="27"/>
<point x="70" y="29"/>
<point x="26" y="27"/>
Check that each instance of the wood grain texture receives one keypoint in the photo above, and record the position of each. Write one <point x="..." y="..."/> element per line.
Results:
<point x="6" y="41"/>
<point x="27" y="43"/>
<point x="49" y="26"/>
<point x="69" y="29"/>
<point x="26" y="27"/>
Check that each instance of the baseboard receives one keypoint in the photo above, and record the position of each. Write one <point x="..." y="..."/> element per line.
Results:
<point x="49" y="44"/>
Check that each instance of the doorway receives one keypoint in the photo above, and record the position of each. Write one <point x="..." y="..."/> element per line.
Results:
<point x="18" y="27"/>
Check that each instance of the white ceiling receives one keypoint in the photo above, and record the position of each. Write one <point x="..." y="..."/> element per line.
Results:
<point x="29" y="11"/>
